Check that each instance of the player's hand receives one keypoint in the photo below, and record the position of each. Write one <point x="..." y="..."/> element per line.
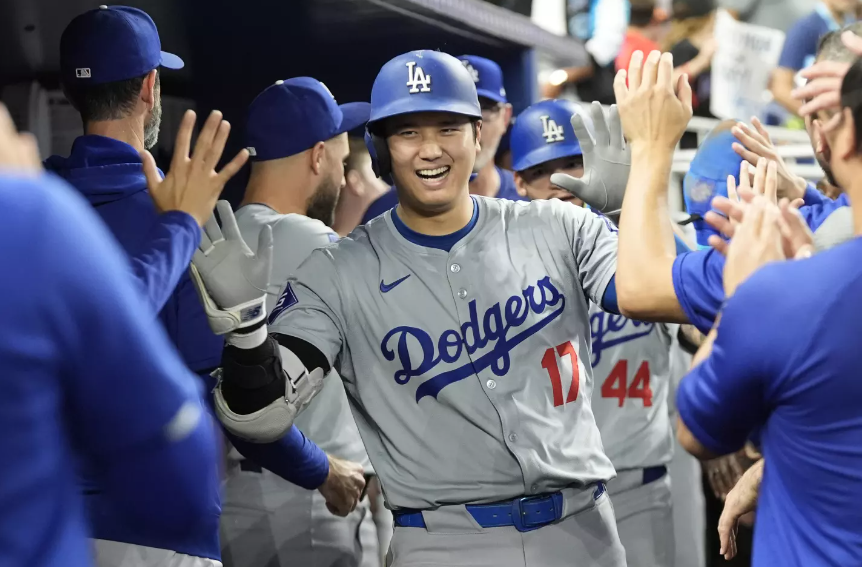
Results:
<point x="231" y="280"/>
<point x="18" y="151"/>
<point x="796" y="237"/>
<point x="343" y="487"/>
<point x="823" y="90"/>
<point x="607" y="161"/>
<point x="741" y="500"/>
<point x="754" y="144"/>
<point x="732" y="207"/>
<point x="756" y="242"/>
<point x="192" y="185"/>
<point x="654" y="109"/>
<point x="724" y="472"/>
<point x="762" y="182"/>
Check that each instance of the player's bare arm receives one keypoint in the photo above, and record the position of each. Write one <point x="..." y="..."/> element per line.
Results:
<point x="741" y="500"/>
<point x="654" y="114"/>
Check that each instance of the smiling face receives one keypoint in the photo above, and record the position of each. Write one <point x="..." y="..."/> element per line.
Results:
<point x="432" y="154"/>
<point x="535" y="182"/>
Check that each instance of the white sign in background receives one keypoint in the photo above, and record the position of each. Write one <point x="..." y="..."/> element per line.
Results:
<point x="744" y="59"/>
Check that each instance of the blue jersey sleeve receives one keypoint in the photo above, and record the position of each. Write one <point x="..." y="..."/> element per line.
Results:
<point x="727" y="397"/>
<point x="814" y="197"/>
<point x="815" y="214"/>
<point x="800" y="44"/>
<point x="699" y="286"/>
<point x="165" y="256"/>
<point x="130" y="398"/>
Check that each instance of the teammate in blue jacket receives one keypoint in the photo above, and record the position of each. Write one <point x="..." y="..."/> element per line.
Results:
<point x="85" y="380"/>
<point x="785" y="360"/>
<point x="110" y="59"/>
<point x="488" y="179"/>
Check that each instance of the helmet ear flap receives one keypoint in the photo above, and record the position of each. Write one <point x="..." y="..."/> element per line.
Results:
<point x="381" y="162"/>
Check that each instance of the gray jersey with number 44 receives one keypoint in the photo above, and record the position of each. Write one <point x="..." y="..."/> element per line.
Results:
<point x="631" y="367"/>
<point x="468" y="371"/>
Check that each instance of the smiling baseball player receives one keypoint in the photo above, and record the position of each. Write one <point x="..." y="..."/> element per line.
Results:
<point x="460" y="328"/>
<point x="630" y="359"/>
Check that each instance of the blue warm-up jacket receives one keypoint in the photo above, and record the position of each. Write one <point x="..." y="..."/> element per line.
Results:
<point x="110" y="175"/>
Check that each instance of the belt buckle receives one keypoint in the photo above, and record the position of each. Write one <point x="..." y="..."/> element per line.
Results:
<point x="518" y="512"/>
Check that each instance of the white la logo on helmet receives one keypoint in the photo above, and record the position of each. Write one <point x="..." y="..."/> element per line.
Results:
<point x="551" y="131"/>
<point x="417" y="80"/>
<point x="473" y="71"/>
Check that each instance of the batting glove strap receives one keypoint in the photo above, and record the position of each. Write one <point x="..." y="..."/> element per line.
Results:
<point x="270" y="423"/>
<point x="228" y="319"/>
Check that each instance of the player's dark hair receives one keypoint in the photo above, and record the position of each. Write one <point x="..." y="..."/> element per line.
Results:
<point x="108" y="101"/>
<point x="831" y="48"/>
<point x="851" y="97"/>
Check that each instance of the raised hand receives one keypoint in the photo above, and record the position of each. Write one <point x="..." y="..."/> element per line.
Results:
<point x="18" y="151"/>
<point x="654" y="109"/>
<point x="192" y="184"/>
<point x="754" y="143"/>
<point x="607" y="161"/>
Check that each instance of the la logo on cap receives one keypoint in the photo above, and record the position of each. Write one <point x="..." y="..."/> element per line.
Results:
<point x="417" y="80"/>
<point x="550" y="130"/>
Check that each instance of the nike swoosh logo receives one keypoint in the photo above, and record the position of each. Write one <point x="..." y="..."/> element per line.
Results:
<point x="389" y="287"/>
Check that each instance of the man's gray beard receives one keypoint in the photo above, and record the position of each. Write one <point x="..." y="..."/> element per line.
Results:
<point x="151" y="128"/>
<point x="321" y="205"/>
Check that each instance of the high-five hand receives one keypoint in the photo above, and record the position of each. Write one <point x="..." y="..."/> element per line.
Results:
<point x="192" y="185"/>
<point x="756" y="242"/>
<point x="607" y="161"/>
<point x="654" y="111"/>
<point x="18" y="151"/>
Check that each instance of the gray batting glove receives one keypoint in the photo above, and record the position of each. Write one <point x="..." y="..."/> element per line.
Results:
<point x="607" y="161"/>
<point x="230" y="279"/>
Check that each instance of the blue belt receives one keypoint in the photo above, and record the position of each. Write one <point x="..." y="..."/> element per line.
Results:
<point x="525" y="514"/>
<point x="652" y="474"/>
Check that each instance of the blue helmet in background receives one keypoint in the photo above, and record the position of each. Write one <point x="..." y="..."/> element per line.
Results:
<point x="543" y="132"/>
<point x="418" y="81"/>
<point x="707" y="176"/>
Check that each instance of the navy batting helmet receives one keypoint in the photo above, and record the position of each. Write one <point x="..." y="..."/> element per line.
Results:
<point x="418" y="81"/>
<point x="543" y="132"/>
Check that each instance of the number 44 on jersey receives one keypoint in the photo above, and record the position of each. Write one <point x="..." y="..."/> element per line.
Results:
<point x="616" y="385"/>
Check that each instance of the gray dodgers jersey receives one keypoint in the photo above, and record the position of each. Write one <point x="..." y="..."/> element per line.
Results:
<point x="459" y="365"/>
<point x="631" y="369"/>
<point x="328" y="420"/>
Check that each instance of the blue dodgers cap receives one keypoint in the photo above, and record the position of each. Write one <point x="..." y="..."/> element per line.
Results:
<point x="112" y="43"/>
<point x="707" y="177"/>
<point x="487" y="75"/>
<point x="543" y="132"/>
<point x="291" y="116"/>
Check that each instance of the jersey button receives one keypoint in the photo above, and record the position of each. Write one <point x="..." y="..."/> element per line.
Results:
<point x="462" y="293"/>
<point x="534" y="488"/>
<point x="455" y="268"/>
<point x="491" y="384"/>
<point x="513" y="437"/>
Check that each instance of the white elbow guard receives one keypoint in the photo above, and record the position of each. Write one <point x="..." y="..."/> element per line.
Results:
<point x="271" y="423"/>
